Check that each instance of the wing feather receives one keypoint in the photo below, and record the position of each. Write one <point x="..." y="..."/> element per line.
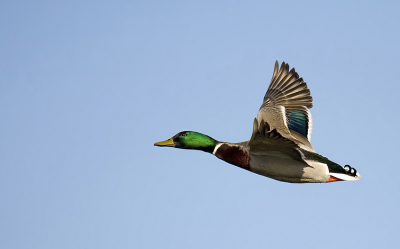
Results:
<point x="286" y="104"/>
<point x="265" y="141"/>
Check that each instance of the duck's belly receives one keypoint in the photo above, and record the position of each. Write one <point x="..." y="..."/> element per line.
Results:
<point x="284" y="168"/>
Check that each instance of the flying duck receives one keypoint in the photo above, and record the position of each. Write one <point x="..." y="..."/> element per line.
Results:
<point x="279" y="147"/>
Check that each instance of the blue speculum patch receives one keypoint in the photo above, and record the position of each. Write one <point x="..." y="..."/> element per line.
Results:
<point x="298" y="122"/>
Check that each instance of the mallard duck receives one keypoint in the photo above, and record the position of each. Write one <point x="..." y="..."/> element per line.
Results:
<point x="280" y="146"/>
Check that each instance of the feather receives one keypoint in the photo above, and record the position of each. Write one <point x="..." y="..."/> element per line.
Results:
<point x="289" y="91"/>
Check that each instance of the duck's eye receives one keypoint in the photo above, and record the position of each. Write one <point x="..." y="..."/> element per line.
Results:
<point x="183" y="134"/>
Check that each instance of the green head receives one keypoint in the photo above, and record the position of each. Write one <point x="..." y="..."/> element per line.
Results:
<point x="190" y="140"/>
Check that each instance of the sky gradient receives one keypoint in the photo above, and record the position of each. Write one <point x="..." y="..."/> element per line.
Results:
<point x="87" y="88"/>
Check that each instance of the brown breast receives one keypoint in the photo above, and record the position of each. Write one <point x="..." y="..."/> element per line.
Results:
<point x="233" y="154"/>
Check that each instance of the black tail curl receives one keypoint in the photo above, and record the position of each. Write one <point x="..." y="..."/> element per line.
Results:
<point x="350" y="170"/>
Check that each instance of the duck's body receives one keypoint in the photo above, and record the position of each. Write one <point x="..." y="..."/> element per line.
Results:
<point x="314" y="168"/>
<point x="279" y="147"/>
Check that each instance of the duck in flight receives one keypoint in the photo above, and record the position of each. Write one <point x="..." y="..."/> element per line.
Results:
<point x="279" y="146"/>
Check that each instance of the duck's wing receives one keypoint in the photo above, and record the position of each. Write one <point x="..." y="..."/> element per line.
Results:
<point x="266" y="142"/>
<point x="286" y="106"/>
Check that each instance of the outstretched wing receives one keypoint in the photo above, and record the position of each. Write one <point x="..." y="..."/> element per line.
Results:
<point x="286" y="106"/>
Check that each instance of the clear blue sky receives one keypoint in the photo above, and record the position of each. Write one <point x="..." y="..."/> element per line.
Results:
<point x="87" y="87"/>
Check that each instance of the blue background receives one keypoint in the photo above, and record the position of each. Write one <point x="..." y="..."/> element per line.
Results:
<point x="87" y="87"/>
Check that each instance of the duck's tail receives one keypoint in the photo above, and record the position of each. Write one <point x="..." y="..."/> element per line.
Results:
<point x="350" y="174"/>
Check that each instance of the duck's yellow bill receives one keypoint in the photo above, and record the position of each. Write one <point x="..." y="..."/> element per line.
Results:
<point x="168" y="142"/>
